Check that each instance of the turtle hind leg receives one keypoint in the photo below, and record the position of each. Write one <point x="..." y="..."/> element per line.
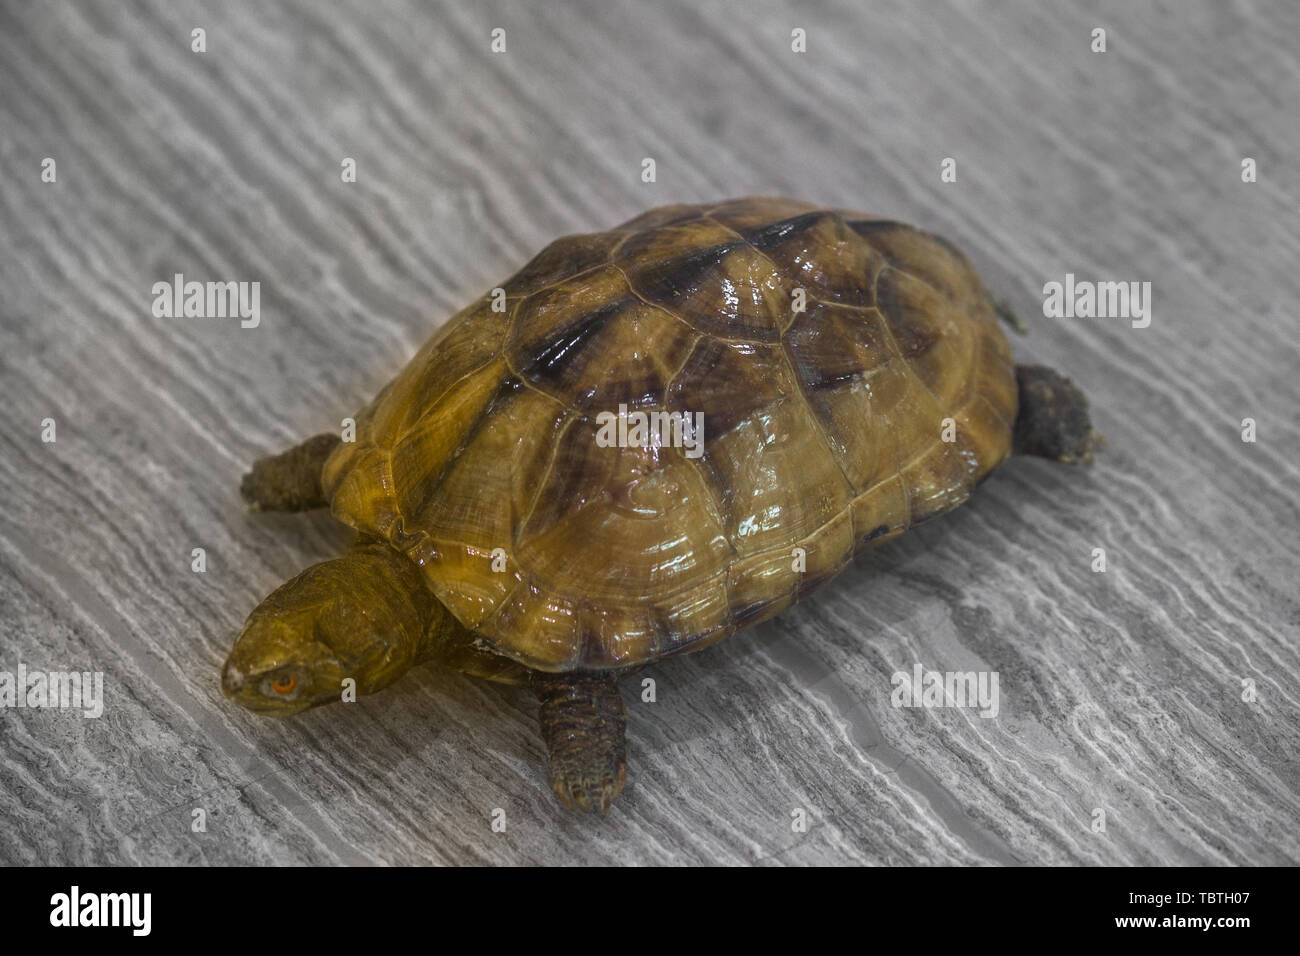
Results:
<point x="1053" y="419"/>
<point x="290" y="481"/>
<point x="584" y="726"/>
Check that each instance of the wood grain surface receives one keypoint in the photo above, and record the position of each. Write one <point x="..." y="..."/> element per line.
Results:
<point x="1160" y="694"/>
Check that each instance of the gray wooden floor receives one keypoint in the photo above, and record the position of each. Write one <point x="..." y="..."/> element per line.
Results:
<point x="1121" y="692"/>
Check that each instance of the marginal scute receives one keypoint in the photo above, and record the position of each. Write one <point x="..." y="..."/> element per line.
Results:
<point x="358" y="483"/>
<point x="467" y="342"/>
<point x="483" y="501"/>
<point x="765" y="583"/>
<point x="422" y="451"/>
<point x="881" y="511"/>
<point x="823" y="429"/>
<point x="641" y="510"/>
<point x="932" y="333"/>
<point x="536" y="625"/>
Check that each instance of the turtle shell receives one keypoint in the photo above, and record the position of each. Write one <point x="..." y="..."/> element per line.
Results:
<point x="823" y="427"/>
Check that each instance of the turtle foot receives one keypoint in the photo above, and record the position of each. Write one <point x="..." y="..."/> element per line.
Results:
<point x="584" y="726"/>
<point x="1053" y="420"/>
<point x="290" y="481"/>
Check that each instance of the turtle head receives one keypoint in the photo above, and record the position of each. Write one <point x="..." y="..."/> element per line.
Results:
<point x="362" y="617"/>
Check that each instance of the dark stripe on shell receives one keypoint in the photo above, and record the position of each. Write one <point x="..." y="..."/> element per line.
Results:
<point x="549" y="361"/>
<point x="742" y="616"/>
<point x="773" y="234"/>
<point x="875" y="533"/>
<point x="865" y="227"/>
<point x="680" y="274"/>
<point x="562" y="259"/>
<point x="506" y="389"/>
<point x="810" y="584"/>
<point x="910" y="331"/>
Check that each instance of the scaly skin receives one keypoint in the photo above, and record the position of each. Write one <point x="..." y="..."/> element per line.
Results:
<point x="483" y="438"/>
<point x="367" y="616"/>
<point x="1053" y="418"/>
<point x="290" y="481"/>
<point x="584" y="725"/>
<point x="370" y="617"/>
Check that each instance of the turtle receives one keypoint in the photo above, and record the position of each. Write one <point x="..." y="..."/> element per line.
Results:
<point x="646" y="440"/>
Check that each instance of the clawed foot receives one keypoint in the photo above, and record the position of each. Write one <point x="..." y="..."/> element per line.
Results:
<point x="290" y="481"/>
<point x="591" y="786"/>
<point x="584" y="725"/>
<point x="1053" y="420"/>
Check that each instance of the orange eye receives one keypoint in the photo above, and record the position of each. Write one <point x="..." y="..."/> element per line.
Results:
<point x="284" y="684"/>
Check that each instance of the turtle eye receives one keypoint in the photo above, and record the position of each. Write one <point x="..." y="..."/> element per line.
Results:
<point x="284" y="684"/>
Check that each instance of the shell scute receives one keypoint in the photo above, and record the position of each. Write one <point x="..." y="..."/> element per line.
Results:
<point x="723" y="288"/>
<point x="823" y="428"/>
<point x="563" y="259"/>
<point x="819" y="252"/>
<point x="592" y="344"/>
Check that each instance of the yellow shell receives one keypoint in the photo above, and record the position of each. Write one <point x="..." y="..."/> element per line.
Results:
<point x="822" y="429"/>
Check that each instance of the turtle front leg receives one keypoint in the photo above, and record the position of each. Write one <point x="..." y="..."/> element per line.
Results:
<point x="584" y="726"/>
<point x="1053" y="419"/>
<point x="290" y="481"/>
